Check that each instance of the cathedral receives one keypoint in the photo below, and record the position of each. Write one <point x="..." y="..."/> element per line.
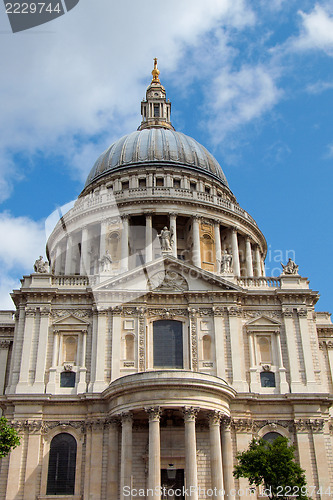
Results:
<point x="149" y="347"/>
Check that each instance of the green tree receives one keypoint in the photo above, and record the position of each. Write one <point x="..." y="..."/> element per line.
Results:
<point x="272" y="466"/>
<point x="9" y="438"/>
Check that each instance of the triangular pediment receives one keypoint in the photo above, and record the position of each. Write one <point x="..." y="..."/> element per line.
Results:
<point x="71" y="320"/>
<point x="166" y="274"/>
<point x="263" y="322"/>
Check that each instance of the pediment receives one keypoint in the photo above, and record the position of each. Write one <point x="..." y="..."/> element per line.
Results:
<point x="166" y="275"/>
<point x="71" y="320"/>
<point x="263" y="322"/>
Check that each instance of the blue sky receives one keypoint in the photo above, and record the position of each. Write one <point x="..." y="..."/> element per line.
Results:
<point x="252" y="81"/>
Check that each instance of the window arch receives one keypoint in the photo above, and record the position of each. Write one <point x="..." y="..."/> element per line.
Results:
<point x="70" y="348"/>
<point x="206" y="347"/>
<point x="168" y="344"/>
<point x="62" y="465"/>
<point x="265" y="350"/>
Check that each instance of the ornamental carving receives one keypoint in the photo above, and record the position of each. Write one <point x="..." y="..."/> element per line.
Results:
<point x="235" y="312"/>
<point x="4" y="344"/>
<point x="190" y="413"/>
<point x="242" y="424"/>
<point x="214" y="417"/>
<point x="194" y="340"/>
<point x="126" y="416"/>
<point x="154" y="413"/>
<point x="218" y="311"/>
<point x="141" y="340"/>
<point x="167" y="313"/>
<point x="305" y="425"/>
<point x="287" y="313"/>
<point x="78" y="313"/>
<point x="168" y="281"/>
<point x="273" y="424"/>
<point x="226" y="423"/>
<point x="302" y="313"/>
<point x="129" y="311"/>
<point x="205" y="311"/>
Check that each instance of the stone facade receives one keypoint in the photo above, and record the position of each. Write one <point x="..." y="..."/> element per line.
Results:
<point x="154" y="341"/>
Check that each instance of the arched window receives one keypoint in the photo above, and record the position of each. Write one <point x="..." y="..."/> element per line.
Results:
<point x="168" y="344"/>
<point x="206" y="347"/>
<point x="62" y="464"/>
<point x="70" y="348"/>
<point x="271" y="436"/>
<point x="129" y="347"/>
<point x="267" y="379"/>
<point x="265" y="350"/>
<point x="67" y="379"/>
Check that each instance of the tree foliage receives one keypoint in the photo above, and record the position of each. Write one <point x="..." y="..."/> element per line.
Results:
<point x="273" y="467"/>
<point x="9" y="438"/>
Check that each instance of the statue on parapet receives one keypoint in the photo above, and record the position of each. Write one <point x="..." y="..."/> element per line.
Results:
<point x="41" y="266"/>
<point x="226" y="263"/>
<point x="166" y="238"/>
<point x="290" y="267"/>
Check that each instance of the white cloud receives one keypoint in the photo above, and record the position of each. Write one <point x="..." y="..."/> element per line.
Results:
<point x="319" y="87"/>
<point x="22" y="241"/>
<point x="83" y="74"/>
<point x="316" y="32"/>
<point x="239" y="97"/>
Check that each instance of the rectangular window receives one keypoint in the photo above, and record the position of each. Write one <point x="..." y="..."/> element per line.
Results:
<point x="159" y="182"/>
<point x="168" y="344"/>
<point x="193" y="186"/>
<point x="125" y="185"/>
<point x="176" y="183"/>
<point x="142" y="183"/>
<point x="156" y="110"/>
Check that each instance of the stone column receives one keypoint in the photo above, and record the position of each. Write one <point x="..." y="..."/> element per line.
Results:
<point x="57" y="264"/>
<point x="322" y="460"/>
<point x="85" y="256"/>
<point x="219" y="331"/>
<point x="115" y="342"/>
<point x="307" y="350"/>
<point x="98" y="354"/>
<point x="303" y="445"/>
<point x="237" y="349"/>
<point x="124" y="243"/>
<point x="149" y="238"/>
<point x="217" y="246"/>
<point x="42" y="349"/>
<point x="126" y="454"/>
<point x="295" y="380"/>
<point x="32" y="461"/>
<point x="4" y="347"/>
<point x="82" y="383"/>
<point x="196" y="252"/>
<point x="191" y="473"/>
<point x="254" y="382"/>
<point x="14" y="471"/>
<point x="284" y="386"/>
<point x="26" y="349"/>
<point x="95" y="483"/>
<point x="112" y="475"/>
<point x="154" y="471"/>
<point x="248" y="257"/>
<point x="69" y="255"/>
<point x="235" y="251"/>
<point x="227" y="457"/>
<point x="216" y="453"/>
<point x="173" y="229"/>
<point x="257" y="263"/>
<point x="102" y="239"/>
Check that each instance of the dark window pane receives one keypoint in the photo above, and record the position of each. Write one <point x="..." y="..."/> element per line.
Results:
<point x="168" y="344"/>
<point x="62" y="463"/>
<point x="267" y="379"/>
<point x="67" y="379"/>
<point x="156" y="110"/>
<point x="271" y="436"/>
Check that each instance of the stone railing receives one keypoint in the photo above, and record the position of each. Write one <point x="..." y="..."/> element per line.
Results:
<point x="261" y="282"/>
<point x="106" y="197"/>
<point x="70" y="280"/>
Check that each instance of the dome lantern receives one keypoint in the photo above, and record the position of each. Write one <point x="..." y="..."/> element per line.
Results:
<point x="155" y="109"/>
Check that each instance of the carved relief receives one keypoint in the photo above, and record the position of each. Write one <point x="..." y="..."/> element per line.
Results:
<point x="214" y="417"/>
<point x="142" y="339"/>
<point x="168" y="281"/>
<point x="194" y="340"/>
<point x="190" y="413"/>
<point x="242" y="425"/>
<point x="167" y="313"/>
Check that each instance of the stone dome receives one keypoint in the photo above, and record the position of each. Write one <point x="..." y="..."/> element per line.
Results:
<point x="158" y="146"/>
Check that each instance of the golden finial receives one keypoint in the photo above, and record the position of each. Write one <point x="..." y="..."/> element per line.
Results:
<point x="155" y="72"/>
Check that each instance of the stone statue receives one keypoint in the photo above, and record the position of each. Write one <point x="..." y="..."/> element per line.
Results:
<point x="290" y="267"/>
<point x="166" y="239"/>
<point x="41" y="266"/>
<point x="105" y="262"/>
<point x="226" y="263"/>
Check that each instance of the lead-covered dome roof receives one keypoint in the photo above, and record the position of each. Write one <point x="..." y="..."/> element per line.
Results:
<point x="160" y="146"/>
